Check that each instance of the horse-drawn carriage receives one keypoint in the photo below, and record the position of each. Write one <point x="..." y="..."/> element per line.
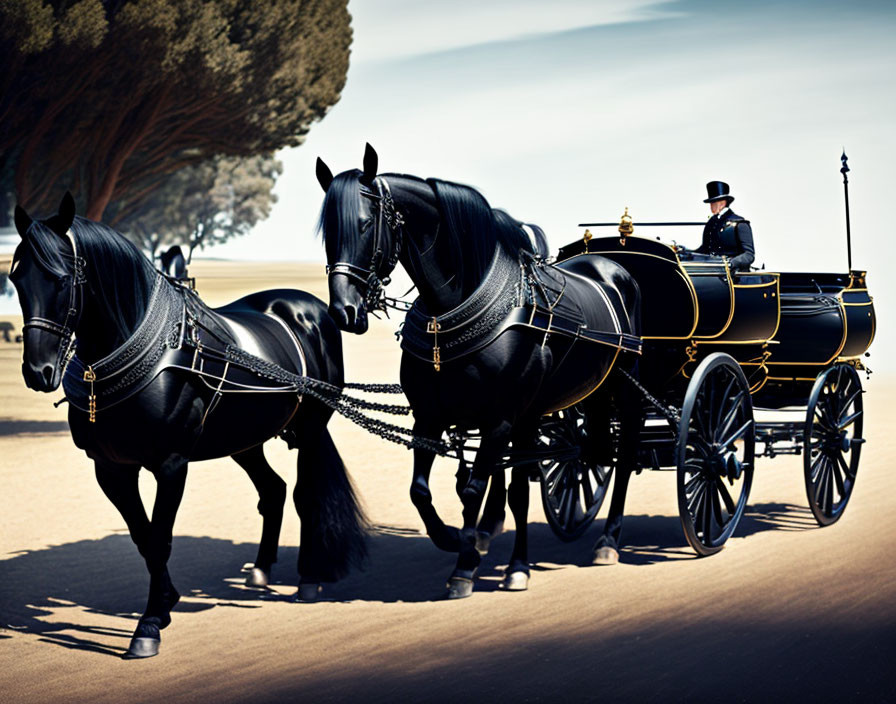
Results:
<point x="621" y="353"/>
<point x="718" y="344"/>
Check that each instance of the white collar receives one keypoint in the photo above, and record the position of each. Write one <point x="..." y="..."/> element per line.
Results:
<point x="721" y="212"/>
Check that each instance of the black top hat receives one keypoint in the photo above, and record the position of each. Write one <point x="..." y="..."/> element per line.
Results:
<point x="717" y="190"/>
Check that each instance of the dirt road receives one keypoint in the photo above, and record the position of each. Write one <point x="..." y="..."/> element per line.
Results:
<point x="786" y="611"/>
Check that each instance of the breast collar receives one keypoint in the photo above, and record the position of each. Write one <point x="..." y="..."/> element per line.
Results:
<point x="469" y="326"/>
<point x="132" y="366"/>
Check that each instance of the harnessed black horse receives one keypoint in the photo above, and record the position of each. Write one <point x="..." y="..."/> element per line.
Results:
<point x="173" y="263"/>
<point x="156" y="379"/>
<point x="496" y="340"/>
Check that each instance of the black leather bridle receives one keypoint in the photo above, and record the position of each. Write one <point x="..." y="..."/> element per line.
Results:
<point x="375" y="277"/>
<point x="65" y="330"/>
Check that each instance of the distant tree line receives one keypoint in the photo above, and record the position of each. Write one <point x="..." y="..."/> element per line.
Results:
<point x="162" y="116"/>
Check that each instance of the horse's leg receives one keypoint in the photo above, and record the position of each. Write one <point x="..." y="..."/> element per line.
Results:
<point x="516" y="578"/>
<point x="492" y="522"/>
<point x="171" y="477"/>
<point x="271" y="498"/>
<point x="606" y="549"/>
<point x="443" y="537"/>
<point x="119" y="483"/>
<point x="493" y="445"/>
<point x="333" y="527"/>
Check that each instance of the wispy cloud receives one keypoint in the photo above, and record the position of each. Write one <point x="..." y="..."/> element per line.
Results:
<point x="403" y="28"/>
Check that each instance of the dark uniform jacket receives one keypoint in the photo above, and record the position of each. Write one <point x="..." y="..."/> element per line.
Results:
<point x="729" y="236"/>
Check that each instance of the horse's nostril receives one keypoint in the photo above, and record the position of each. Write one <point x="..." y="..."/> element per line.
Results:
<point x="47" y="373"/>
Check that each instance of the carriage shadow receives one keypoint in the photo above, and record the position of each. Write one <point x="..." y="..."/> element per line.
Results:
<point x="107" y="577"/>
<point x="652" y="539"/>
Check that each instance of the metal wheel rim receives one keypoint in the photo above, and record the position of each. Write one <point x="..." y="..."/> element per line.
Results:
<point x="834" y="418"/>
<point x="715" y="453"/>
<point x="572" y="490"/>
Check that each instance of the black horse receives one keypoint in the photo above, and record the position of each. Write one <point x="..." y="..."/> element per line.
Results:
<point x="173" y="263"/>
<point x="150" y="387"/>
<point x="478" y="352"/>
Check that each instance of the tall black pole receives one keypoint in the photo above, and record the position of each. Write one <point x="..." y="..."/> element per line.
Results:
<point x="843" y="170"/>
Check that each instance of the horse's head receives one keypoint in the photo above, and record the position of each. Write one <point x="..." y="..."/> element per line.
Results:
<point x="362" y="234"/>
<point x="48" y="277"/>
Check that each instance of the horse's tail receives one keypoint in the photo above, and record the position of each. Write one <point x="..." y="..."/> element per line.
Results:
<point x="334" y="528"/>
<point x="540" y="241"/>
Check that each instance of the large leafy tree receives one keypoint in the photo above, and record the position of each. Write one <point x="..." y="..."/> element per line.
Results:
<point x="205" y="204"/>
<point x="107" y="98"/>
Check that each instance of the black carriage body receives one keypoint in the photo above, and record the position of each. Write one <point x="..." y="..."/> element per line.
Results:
<point x="716" y="344"/>
<point x="825" y="319"/>
<point x="781" y="328"/>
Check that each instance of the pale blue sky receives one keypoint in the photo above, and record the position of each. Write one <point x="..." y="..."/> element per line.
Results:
<point x="569" y="111"/>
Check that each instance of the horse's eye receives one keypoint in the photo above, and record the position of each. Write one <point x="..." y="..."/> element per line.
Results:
<point x="365" y="224"/>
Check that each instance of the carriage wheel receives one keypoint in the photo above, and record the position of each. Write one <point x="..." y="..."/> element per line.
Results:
<point x="715" y="453"/>
<point x="572" y="489"/>
<point x="833" y="441"/>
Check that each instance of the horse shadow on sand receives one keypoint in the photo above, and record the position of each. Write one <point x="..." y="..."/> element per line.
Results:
<point x="15" y="426"/>
<point x="107" y="576"/>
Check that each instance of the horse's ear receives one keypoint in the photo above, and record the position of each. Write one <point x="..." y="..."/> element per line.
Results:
<point x="22" y="220"/>
<point x="324" y="175"/>
<point x="66" y="213"/>
<point x="370" y="163"/>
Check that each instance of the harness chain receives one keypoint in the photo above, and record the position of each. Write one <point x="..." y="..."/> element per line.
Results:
<point x="672" y="414"/>
<point x="333" y="397"/>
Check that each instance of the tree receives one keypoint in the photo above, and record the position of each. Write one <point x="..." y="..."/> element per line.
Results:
<point x="108" y="98"/>
<point x="205" y="204"/>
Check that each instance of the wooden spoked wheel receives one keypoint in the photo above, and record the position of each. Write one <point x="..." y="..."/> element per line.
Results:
<point x="572" y="489"/>
<point x="832" y="441"/>
<point x="714" y="453"/>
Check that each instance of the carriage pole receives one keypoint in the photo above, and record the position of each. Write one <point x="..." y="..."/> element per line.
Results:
<point x="843" y="170"/>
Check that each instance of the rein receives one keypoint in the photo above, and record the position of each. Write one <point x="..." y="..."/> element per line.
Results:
<point x="375" y="277"/>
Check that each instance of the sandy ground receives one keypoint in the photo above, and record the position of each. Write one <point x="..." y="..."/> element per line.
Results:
<point x="786" y="611"/>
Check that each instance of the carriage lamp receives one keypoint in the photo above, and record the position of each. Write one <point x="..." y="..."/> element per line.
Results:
<point x="625" y="227"/>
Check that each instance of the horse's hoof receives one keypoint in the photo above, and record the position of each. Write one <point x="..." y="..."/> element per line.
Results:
<point x="459" y="588"/>
<point x="142" y="648"/>
<point x="605" y="556"/>
<point x="257" y="578"/>
<point x="308" y="591"/>
<point x="515" y="582"/>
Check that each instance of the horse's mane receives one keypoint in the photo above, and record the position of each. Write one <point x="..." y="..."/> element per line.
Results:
<point x="340" y="210"/>
<point x="476" y="228"/>
<point x="119" y="277"/>
<point x="473" y="227"/>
